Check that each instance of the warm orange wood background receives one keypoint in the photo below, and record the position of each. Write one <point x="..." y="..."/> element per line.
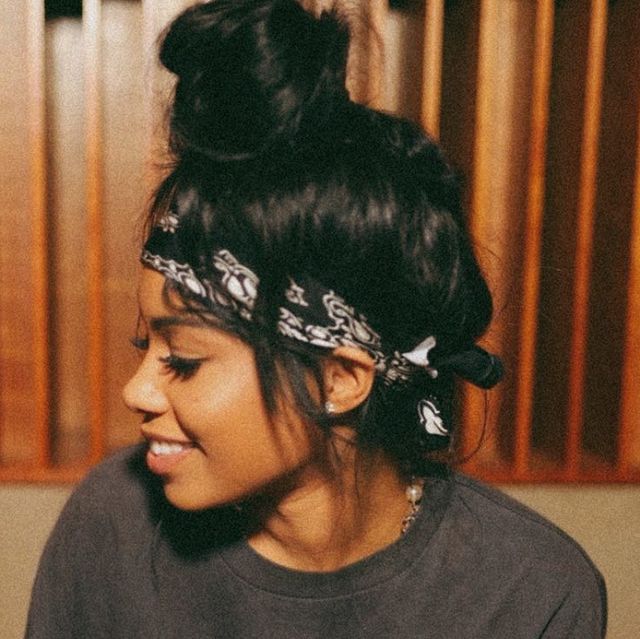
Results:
<point x="538" y="102"/>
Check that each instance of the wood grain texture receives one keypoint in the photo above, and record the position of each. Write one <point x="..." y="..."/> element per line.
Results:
<point x="611" y="283"/>
<point x="562" y="185"/>
<point x="532" y="246"/>
<point x="21" y="418"/>
<point x="629" y="440"/>
<point x="37" y="139"/>
<point x="475" y="408"/>
<point x="460" y="61"/>
<point x="584" y="230"/>
<point x="432" y="66"/>
<point x="126" y="193"/>
<point x="91" y="21"/>
<point x="67" y="228"/>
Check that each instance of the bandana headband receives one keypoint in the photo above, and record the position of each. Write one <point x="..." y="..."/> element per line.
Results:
<point x="310" y="313"/>
<point x="313" y="314"/>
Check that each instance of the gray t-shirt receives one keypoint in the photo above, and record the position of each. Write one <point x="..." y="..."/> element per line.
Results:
<point x="475" y="564"/>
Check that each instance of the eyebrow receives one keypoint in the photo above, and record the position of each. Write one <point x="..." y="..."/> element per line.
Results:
<point x="160" y="323"/>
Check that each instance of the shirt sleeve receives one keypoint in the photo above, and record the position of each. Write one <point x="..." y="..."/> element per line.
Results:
<point x="583" y="612"/>
<point x="71" y="593"/>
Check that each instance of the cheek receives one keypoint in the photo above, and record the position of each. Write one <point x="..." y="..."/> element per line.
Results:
<point x="224" y="404"/>
<point x="242" y="449"/>
<point x="205" y="408"/>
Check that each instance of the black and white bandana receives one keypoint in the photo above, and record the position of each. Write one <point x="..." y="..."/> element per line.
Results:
<point x="310" y="313"/>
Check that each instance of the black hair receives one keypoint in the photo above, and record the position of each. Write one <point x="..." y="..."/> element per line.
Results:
<point x="251" y="73"/>
<point x="274" y="162"/>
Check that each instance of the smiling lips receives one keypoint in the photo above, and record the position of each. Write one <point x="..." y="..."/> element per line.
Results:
<point x="163" y="455"/>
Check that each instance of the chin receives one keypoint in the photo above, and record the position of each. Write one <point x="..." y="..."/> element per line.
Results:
<point x="190" y="499"/>
<point x="185" y="498"/>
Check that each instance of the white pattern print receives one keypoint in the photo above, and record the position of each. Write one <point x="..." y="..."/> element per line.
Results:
<point x="290" y="325"/>
<point x="169" y="222"/>
<point x="295" y="294"/>
<point x="238" y="280"/>
<point x="396" y="368"/>
<point x="430" y="419"/>
<point x="351" y="323"/>
<point x="181" y="273"/>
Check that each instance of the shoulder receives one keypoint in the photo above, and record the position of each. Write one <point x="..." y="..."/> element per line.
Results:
<point x="105" y="524"/>
<point x="507" y="571"/>
<point x="518" y="524"/>
<point x="115" y="493"/>
<point x="95" y="551"/>
<point x="514" y="538"/>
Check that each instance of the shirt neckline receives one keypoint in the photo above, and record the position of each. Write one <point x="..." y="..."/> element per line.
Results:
<point x="251" y="567"/>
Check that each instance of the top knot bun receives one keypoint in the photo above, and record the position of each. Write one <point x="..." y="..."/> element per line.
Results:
<point x="251" y="72"/>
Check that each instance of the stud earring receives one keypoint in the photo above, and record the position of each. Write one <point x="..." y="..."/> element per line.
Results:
<point x="329" y="408"/>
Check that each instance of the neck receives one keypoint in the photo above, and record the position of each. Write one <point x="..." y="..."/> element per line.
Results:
<point x="335" y="514"/>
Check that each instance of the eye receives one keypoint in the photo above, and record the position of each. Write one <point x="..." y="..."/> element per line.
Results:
<point x="182" y="367"/>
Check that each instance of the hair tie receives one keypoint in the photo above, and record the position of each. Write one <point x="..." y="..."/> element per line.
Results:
<point x="477" y="366"/>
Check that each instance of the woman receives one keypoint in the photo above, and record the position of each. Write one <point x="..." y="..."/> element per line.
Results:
<point x="307" y="299"/>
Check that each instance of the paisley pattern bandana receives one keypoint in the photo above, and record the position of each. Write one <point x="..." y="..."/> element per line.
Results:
<point x="311" y="313"/>
<point x="316" y="315"/>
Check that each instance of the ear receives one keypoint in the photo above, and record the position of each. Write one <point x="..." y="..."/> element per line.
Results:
<point x="348" y="377"/>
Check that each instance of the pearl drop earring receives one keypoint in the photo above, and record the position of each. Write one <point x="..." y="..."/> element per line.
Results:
<point x="329" y="408"/>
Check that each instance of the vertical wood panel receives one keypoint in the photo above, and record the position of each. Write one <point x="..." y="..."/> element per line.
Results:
<point x="18" y="436"/>
<point x="94" y="193"/>
<point x="375" y="66"/>
<point x="475" y="406"/>
<point x="612" y="275"/>
<point x="543" y="48"/>
<point x="476" y="83"/>
<point x="37" y="130"/>
<point x="584" y="230"/>
<point x="458" y="97"/>
<point x="485" y="89"/>
<point x="365" y="65"/>
<point x="432" y="66"/>
<point x="124" y="154"/>
<point x="500" y="178"/>
<point x="629" y="440"/>
<point x="404" y="60"/>
<point x="68" y="238"/>
<point x="562" y="185"/>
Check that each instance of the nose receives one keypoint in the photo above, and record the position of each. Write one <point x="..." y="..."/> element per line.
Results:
<point x="143" y="392"/>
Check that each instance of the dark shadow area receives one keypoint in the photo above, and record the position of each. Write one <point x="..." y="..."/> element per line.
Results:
<point x="62" y="9"/>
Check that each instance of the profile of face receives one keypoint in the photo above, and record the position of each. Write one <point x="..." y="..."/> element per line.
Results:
<point x="197" y="389"/>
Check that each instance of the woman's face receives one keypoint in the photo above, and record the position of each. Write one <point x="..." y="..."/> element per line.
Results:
<point x="210" y="436"/>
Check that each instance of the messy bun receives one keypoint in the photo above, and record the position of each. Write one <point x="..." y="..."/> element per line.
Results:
<point x="251" y="73"/>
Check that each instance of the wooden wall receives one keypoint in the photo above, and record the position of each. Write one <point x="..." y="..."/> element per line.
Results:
<point x="537" y="102"/>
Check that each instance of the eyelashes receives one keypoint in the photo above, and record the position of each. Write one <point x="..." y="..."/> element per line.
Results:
<point x="180" y="367"/>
